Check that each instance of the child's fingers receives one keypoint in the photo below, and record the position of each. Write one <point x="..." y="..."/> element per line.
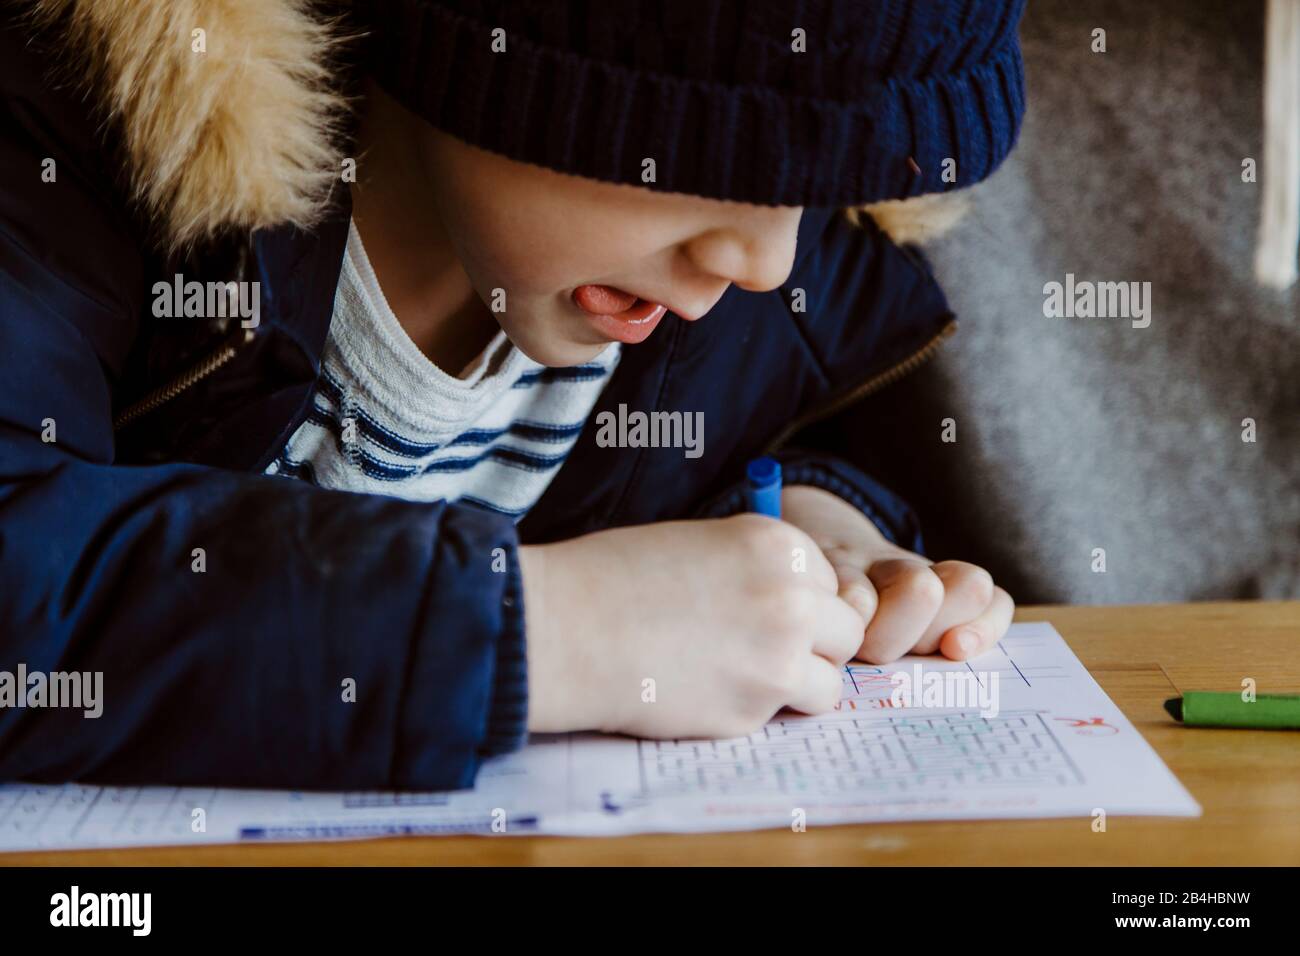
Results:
<point x="855" y="589"/>
<point x="967" y="593"/>
<point x="909" y="596"/>
<point x="837" y="630"/>
<point x="979" y="635"/>
<point x="822" y="687"/>
<point x="797" y="550"/>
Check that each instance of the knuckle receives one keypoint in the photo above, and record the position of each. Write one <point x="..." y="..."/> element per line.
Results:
<point x="785" y="677"/>
<point x="861" y="598"/>
<point x="846" y="629"/>
<point x="969" y="580"/>
<point x="763" y="537"/>
<point x="766" y="680"/>
<point x="975" y="583"/>
<point x="788" y="613"/>
<point x="923" y="586"/>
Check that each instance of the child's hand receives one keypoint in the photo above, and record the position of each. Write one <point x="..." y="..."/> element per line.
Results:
<point x="683" y="629"/>
<point x="909" y="604"/>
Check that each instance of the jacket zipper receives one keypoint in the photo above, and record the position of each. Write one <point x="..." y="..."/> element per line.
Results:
<point x="186" y="380"/>
<point x="860" y="391"/>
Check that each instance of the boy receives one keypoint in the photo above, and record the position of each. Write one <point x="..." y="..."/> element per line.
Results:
<point x="559" y="212"/>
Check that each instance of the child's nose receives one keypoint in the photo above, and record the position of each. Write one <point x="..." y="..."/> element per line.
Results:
<point x="755" y="253"/>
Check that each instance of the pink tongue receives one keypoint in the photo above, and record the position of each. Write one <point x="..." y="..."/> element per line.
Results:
<point x="603" y="299"/>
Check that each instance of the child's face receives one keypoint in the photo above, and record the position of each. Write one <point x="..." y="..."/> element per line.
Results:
<point x="583" y="263"/>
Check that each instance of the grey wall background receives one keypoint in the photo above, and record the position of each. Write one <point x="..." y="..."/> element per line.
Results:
<point x="1075" y="434"/>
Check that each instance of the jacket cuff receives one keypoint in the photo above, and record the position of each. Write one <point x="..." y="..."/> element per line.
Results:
<point x="507" y="725"/>
<point x="466" y="690"/>
<point x="884" y="509"/>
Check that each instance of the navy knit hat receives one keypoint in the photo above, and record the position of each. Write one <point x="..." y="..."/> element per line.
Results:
<point x="718" y="92"/>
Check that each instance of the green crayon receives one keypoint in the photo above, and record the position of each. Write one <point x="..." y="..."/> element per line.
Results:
<point x="1211" y="709"/>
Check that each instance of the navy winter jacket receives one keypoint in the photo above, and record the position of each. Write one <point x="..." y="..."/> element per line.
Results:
<point x="161" y="429"/>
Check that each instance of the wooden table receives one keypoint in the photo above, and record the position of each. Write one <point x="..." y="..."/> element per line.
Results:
<point x="1248" y="782"/>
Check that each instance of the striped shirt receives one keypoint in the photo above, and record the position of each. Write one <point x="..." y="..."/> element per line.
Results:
<point x="386" y="420"/>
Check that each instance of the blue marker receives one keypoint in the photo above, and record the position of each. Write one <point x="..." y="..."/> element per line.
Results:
<point x="763" y="487"/>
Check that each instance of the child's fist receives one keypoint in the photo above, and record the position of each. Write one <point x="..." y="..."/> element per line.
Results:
<point x="908" y="604"/>
<point x="683" y="628"/>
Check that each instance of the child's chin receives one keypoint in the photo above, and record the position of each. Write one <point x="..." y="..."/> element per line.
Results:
<point x="559" y="354"/>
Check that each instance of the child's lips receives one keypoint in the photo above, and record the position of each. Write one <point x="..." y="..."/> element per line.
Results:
<point x="618" y="315"/>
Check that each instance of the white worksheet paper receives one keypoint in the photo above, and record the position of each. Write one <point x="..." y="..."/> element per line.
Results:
<point x="1057" y="747"/>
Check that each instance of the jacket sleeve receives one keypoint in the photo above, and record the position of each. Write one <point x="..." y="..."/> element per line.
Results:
<point x="250" y="630"/>
<point x="799" y="466"/>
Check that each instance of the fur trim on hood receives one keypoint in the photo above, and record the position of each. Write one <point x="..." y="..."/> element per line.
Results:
<point x="229" y="128"/>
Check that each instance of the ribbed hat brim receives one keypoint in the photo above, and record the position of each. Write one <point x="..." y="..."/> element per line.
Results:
<point x="750" y="142"/>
